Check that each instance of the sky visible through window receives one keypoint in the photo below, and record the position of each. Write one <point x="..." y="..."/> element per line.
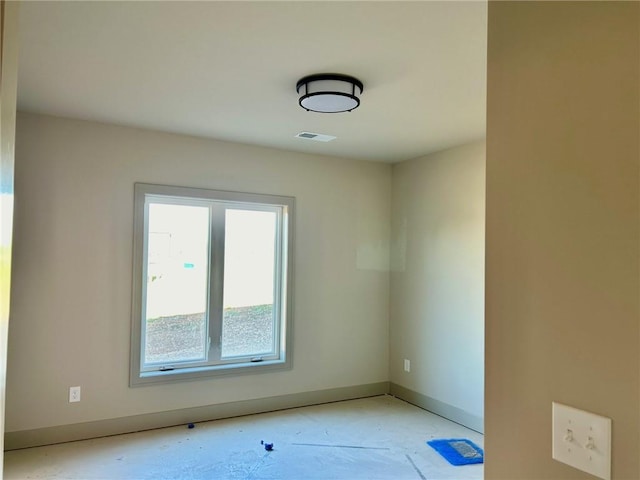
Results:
<point x="178" y="259"/>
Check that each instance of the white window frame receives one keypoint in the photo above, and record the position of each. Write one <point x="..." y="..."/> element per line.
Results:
<point x="218" y="202"/>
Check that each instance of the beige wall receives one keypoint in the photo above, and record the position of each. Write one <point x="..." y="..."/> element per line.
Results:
<point x="71" y="294"/>
<point x="437" y="279"/>
<point x="562" y="278"/>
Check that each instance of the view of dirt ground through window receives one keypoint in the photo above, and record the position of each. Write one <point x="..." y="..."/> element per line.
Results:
<point x="246" y="330"/>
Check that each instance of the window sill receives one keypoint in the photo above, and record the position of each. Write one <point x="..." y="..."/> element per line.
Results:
<point x="198" y="373"/>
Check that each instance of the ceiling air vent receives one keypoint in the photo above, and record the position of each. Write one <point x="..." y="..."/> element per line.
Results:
<point x="317" y="137"/>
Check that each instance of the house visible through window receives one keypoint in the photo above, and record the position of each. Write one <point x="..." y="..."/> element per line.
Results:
<point x="211" y="278"/>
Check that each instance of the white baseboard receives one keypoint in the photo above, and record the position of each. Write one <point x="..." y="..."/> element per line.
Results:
<point x="443" y="409"/>
<point x="150" y="421"/>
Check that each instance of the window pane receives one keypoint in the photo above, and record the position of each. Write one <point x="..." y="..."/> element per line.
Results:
<point x="249" y="259"/>
<point x="177" y="265"/>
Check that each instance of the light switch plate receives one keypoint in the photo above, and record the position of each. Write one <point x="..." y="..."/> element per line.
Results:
<point x="582" y="440"/>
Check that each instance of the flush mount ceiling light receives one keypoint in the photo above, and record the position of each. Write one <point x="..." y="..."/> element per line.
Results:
<point x="329" y="93"/>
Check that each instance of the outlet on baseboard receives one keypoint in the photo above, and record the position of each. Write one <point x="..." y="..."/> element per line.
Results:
<point x="407" y="365"/>
<point x="74" y="394"/>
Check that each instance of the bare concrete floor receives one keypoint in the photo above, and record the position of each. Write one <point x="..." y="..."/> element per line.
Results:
<point x="371" y="438"/>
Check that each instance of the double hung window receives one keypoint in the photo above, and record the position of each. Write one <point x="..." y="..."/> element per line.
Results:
<point x="211" y="283"/>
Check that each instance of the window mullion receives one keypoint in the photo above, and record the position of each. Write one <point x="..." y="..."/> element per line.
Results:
<point x="216" y="281"/>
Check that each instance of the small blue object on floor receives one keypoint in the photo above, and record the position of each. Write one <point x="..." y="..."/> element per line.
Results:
<point x="458" y="451"/>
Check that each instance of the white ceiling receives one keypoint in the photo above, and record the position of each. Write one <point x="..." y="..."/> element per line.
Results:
<point x="228" y="70"/>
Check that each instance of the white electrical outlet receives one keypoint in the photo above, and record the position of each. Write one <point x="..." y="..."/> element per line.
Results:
<point x="407" y="365"/>
<point x="582" y="440"/>
<point x="74" y="394"/>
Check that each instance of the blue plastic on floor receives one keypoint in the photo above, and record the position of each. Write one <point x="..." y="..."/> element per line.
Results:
<point x="458" y="451"/>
